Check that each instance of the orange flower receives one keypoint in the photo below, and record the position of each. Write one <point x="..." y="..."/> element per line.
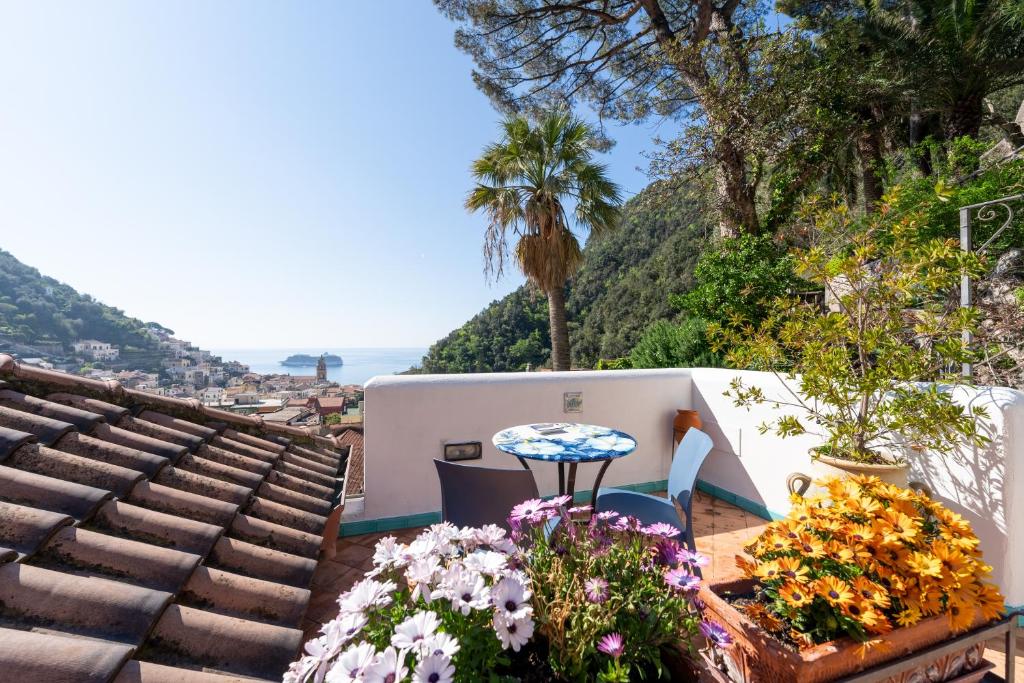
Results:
<point x="793" y="569"/>
<point x="809" y="546"/>
<point x="795" y="594"/>
<point x="925" y="565"/>
<point x="871" y="591"/>
<point x="896" y="527"/>
<point x="835" y="591"/>
<point x="768" y="571"/>
<point x="908" y="617"/>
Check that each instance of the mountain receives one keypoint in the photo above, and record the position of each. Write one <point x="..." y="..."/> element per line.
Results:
<point x="38" y="311"/>
<point x="622" y="287"/>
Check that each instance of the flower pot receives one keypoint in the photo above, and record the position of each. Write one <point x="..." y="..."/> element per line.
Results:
<point x="823" y="466"/>
<point x="757" y="657"/>
<point x="683" y="421"/>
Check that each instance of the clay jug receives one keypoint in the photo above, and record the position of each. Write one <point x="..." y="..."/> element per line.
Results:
<point x="682" y="422"/>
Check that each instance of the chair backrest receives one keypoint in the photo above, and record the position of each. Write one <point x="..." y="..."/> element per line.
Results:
<point x="686" y="463"/>
<point x="473" y="496"/>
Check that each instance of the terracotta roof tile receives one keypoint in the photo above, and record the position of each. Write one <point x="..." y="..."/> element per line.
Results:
<point x="24" y="529"/>
<point x="28" y="656"/>
<point x="221" y="642"/>
<point x="148" y="672"/>
<point x="60" y="465"/>
<point x="77" y="551"/>
<point x="111" y="453"/>
<point x="100" y="608"/>
<point x="265" y="444"/>
<point x="46" y="429"/>
<point x="236" y="595"/>
<point x="47" y="493"/>
<point x="146" y="539"/>
<point x="262" y="563"/>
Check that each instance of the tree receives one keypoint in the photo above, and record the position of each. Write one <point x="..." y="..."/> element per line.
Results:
<point x="523" y="184"/>
<point x="629" y="59"/>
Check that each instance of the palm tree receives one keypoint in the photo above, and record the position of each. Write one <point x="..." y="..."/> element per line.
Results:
<point x="524" y="182"/>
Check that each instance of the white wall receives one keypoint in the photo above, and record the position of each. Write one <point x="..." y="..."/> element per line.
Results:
<point x="408" y="419"/>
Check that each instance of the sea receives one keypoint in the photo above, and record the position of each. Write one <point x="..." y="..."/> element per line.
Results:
<point x="359" y="364"/>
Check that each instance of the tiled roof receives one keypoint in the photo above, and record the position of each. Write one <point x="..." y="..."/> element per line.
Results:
<point x="354" y="439"/>
<point x="147" y="539"/>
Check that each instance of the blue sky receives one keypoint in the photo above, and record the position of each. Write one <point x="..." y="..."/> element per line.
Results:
<point x="253" y="174"/>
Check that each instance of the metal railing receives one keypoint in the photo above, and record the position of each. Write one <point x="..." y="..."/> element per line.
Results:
<point x="989" y="212"/>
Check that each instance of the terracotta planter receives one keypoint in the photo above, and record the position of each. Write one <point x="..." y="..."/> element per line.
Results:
<point x="757" y="657"/>
<point x="683" y="421"/>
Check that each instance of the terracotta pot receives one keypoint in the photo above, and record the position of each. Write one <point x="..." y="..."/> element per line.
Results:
<point x="683" y="421"/>
<point x="757" y="657"/>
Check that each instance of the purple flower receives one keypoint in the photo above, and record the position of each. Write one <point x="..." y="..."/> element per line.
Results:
<point x="681" y="579"/>
<point x="596" y="590"/>
<point x="560" y="501"/>
<point x="606" y="515"/>
<point x="527" y="508"/>
<point x="661" y="529"/>
<point x="695" y="559"/>
<point x="668" y="552"/>
<point x="627" y="523"/>
<point x="579" y="508"/>
<point x="612" y="645"/>
<point x="715" y="634"/>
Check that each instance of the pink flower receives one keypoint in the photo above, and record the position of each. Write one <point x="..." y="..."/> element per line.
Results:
<point x="682" y="580"/>
<point x="596" y="590"/>
<point x="527" y="508"/>
<point x="612" y="645"/>
<point x="661" y="529"/>
<point x="715" y="634"/>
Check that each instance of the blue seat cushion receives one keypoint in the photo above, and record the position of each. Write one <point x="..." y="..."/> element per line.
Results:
<point x="645" y="507"/>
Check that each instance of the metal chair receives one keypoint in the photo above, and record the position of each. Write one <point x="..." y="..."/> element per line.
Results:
<point x="474" y="496"/>
<point x="682" y="480"/>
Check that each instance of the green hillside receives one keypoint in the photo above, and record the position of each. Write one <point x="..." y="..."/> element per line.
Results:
<point x="38" y="309"/>
<point x="623" y="286"/>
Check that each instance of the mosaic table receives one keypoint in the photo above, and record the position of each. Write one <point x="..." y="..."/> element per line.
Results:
<point x="566" y="443"/>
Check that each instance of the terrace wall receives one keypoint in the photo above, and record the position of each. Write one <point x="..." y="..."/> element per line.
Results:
<point x="408" y="419"/>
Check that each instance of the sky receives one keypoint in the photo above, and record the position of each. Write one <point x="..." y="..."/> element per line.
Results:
<point x="253" y="174"/>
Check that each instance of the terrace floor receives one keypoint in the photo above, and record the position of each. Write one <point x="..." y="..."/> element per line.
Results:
<point x="721" y="530"/>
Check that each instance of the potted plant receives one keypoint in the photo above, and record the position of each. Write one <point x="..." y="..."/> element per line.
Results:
<point x="602" y="600"/>
<point x="861" y="373"/>
<point x="863" y="573"/>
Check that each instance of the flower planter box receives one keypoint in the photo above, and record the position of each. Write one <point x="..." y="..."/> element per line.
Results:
<point x="757" y="657"/>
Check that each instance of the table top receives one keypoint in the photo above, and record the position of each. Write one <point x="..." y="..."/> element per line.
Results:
<point x="564" y="442"/>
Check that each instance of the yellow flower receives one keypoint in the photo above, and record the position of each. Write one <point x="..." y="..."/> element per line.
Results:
<point x="795" y="594"/>
<point x="835" y="591"/>
<point x="908" y="617"/>
<point x="768" y="571"/>
<point x="871" y="591"/>
<point x="809" y="546"/>
<point x="925" y="565"/>
<point x="895" y="527"/>
<point x="793" y="569"/>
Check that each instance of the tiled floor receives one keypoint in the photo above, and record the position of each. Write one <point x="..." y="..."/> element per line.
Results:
<point x="721" y="530"/>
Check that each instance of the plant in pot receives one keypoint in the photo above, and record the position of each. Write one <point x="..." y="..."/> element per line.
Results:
<point x="862" y="573"/>
<point x="604" y="600"/>
<point x="861" y="372"/>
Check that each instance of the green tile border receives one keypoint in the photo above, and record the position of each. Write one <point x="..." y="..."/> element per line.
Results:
<point x="370" y="526"/>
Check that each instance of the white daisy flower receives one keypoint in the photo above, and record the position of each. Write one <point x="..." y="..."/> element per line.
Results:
<point x="352" y="663"/>
<point x="414" y="630"/>
<point x="388" y="553"/>
<point x="440" y="644"/>
<point x="511" y="599"/>
<point x="513" y="633"/>
<point x="367" y="594"/>
<point x="420" y="576"/>
<point x="468" y="592"/>
<point x="387" y="667"/>
<point x="434" y="669"/>
<point x="486" y="562"/>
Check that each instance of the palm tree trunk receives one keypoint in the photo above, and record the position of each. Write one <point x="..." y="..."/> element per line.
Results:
<point x="559" y="329"/>
<point x="869" y="149"/>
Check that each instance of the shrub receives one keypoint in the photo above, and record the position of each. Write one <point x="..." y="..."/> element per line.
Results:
<point x="863" y="558"/>
<point x="860" y="372"/>
<point x="608" y="594"/>
<point x="737" y="279"/>
<point x="669" y="345"/>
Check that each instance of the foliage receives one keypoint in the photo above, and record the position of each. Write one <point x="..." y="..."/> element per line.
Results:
<point x="448" y="603"/>
<point x="862" y="373"/>
<point x="496" y="339"/>
<point x="36" y="308"/>
<point x="604" y="607"/>
<point x="621" y="287"/>
<point x="863" y="558"/>
<point x="332" y="419"/>
<point x="737" y="280"/>
<point x="668" y="345"/>
<point x="523" y="184"/>
<point x="614" y="364"/>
